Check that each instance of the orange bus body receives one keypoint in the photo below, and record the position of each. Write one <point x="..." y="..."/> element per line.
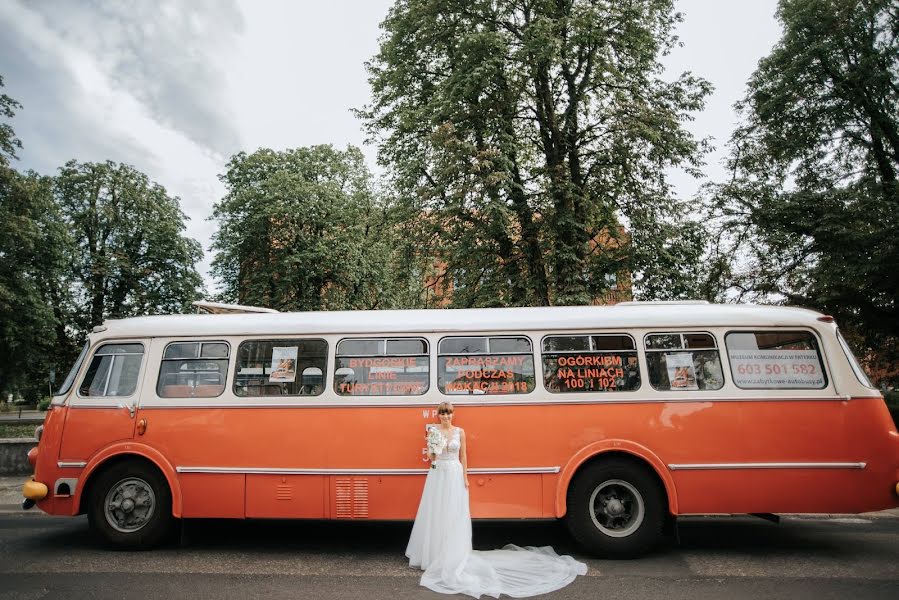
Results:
<point x="832" y="450"/>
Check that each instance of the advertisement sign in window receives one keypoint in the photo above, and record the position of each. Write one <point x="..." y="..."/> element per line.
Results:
<point x="776" y="368"/>
<point x="284" y="364"/>
<point x="681" y="372"/>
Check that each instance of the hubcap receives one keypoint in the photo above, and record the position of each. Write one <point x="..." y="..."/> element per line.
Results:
<point x="129" y="505"/>
<point x="616" y="508"/>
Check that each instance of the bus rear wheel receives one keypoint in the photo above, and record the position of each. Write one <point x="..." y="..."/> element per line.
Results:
<point x="131" y="506"/>
<point x="616" y="509"/>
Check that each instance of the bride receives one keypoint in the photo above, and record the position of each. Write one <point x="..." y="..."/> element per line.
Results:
<point x="440" y="543"/>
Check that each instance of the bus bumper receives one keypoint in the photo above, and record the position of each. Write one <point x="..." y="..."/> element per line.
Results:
<point x="33" y="491"/>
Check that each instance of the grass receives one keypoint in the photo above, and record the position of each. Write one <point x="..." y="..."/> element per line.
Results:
<point x="16" y="430"/>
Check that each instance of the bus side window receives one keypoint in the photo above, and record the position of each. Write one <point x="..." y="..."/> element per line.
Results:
<point x="683" y="361"/>
<point x="288" y="367"/>
<point x="775" y="360"/>
<point x="193" y="370"/>
<point x="382" y="367"/>
<point x="590" y="363"/>
<point x="113" y="371"/>
<point x="485" y="365"/>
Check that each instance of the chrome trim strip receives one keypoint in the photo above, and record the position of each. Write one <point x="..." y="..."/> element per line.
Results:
<point x="278" y="471"/>
<point x="63" y="464"/>
<point x="156" y="404"/>
<point x="772" y="465"/>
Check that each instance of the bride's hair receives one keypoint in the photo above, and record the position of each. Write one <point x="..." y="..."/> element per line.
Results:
<point x="445" y="407"/>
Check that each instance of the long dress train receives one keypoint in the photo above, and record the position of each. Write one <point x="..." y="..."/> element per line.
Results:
<point x="441" y="544"/>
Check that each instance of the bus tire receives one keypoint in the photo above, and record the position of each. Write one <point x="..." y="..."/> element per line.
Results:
<point x="131" y="506"/>
<point x="616" y="508"/>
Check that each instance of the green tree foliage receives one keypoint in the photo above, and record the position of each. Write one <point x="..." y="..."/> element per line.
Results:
<point x="812" y="211"/>
<point x="130" y="254"/>
<point x="524" y="134"/>
<point x="303" y="230"/>
<point x="8" y="140"/>
<point x="33" y="241"/>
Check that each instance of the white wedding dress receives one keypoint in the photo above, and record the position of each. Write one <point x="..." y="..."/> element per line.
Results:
<point x="441" y="544"/>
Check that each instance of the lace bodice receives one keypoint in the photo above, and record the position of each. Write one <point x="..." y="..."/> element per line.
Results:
<point x="451" y="450"/>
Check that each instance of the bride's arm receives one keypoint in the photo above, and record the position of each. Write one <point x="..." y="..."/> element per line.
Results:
<point x="463" y="454"/>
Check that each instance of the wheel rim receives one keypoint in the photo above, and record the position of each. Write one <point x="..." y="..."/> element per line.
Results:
<point x="129" y="505"/>
<point x="616" y="508"/>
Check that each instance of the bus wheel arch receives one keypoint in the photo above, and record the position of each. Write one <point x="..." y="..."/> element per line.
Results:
<point x="128" y="502"/>
<point x="616" y="504"/>
<point x="112" y="455"/>
<point x="607" y="450"/>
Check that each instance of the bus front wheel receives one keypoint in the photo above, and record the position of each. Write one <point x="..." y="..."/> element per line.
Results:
<point x="131" y="505"/>
<point x="616" y="508"/>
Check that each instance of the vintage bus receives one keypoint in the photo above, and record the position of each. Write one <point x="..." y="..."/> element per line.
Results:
<point x="616" y="419"/>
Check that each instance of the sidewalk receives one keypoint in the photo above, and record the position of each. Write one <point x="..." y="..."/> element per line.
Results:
<point x="11" y="499"/>
<point x="27" y="416"/>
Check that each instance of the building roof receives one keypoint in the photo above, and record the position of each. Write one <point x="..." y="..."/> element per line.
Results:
<point x="557" y="318"/>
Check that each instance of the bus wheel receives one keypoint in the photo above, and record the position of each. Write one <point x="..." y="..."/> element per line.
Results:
<point x="616" y="509"/>
<point x="131" y="506"/>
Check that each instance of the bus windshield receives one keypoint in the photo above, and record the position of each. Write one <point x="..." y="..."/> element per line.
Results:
<point x="64" y="388"/>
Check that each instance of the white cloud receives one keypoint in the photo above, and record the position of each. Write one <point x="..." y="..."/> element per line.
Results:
<point x="87" y="111"/>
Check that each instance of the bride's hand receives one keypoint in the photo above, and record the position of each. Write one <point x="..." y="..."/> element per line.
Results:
<point x="466" y="482"/>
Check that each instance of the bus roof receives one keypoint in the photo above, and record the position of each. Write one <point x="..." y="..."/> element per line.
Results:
<point x="555" y="318"/>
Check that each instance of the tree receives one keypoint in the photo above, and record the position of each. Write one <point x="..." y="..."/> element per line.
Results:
<point x="812" y="209"/>
<point x="32" y="260"/>
<point x="8" y="140"/>
<point x="130" y="255"/>
<point x="303" y="230"/>
<point x="525" y="131"/>
<point x="33" y="242"/>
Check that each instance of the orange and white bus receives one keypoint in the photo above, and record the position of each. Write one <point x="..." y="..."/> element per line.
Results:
<point x="616" y="419"/>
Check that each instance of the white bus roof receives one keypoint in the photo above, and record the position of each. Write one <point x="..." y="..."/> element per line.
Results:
<point x="557" y="318"/>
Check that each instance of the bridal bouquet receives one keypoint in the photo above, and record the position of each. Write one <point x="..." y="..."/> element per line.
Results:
<point x="436" y="441"/>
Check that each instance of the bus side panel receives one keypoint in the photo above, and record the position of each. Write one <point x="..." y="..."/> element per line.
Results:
<point x="755" y="491"/>
<point x="873" y="437"/>
<point x="506" y="496"/>
<point x="374" y="496"/>
<point x="89" y="429"/>
<point x="394" y="496"/>
<point x="794" y="431"/>
<point x="345" y="443"/>
<point x="212" y="495"/>
<point x="286" y="496"/>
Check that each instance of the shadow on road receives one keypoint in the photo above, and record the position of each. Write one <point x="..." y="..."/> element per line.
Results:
<point x="720" y="535"/>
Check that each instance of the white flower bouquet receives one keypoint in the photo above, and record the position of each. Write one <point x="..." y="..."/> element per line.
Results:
<point x="436" y="441"/>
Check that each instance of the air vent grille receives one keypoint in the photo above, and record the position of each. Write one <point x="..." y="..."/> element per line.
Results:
<point x="351" y="496"/>
<point x="284" y="492"/>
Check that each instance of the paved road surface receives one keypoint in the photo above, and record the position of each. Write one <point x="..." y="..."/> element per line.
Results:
<point x="720" y="557"/>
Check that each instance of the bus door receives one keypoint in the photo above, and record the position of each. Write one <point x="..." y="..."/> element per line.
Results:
<point x="102" y="406"/>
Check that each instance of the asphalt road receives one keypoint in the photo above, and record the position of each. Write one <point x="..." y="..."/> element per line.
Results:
<point x="715" y="557"/>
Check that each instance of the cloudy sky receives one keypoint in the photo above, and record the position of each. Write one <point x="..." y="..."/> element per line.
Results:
<point x="176" y="88"/>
